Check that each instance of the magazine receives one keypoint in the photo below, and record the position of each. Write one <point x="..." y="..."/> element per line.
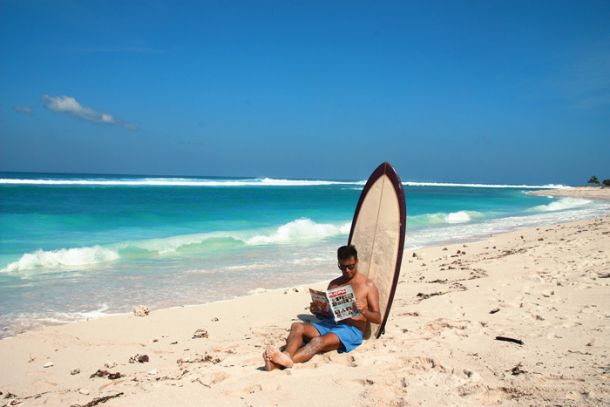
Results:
<point x="339" y="301"/>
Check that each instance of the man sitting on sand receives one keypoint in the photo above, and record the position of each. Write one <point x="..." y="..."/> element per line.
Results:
<point x="308" y="339"/>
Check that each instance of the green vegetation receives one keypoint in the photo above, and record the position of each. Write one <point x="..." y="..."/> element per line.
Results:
<point x="593" y="180"/>
<point x="606" y="182"/>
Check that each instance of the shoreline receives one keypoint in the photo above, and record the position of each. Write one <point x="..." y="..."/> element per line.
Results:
<point x="439" y="345"/>
<point x="261" y="290"/>
<point x="598" y="193"/>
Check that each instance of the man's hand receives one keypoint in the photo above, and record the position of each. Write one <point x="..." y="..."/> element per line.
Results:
<point x="360" y="306"/>
<point x="318" y="308"/>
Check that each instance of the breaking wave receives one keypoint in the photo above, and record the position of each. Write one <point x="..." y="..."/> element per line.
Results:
<point x="299" y="230"/>
<point x="243" y="182"/>
<point x="180" y="182"/>
<point x="560" y="205"/>
<point x="450" y="184"/>
<point x="445" y="218"/>
<point x="80" y="257"/>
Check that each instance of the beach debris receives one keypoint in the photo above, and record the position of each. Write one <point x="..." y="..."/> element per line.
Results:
<point x="110" y="365"/>
<point x="423" y="296"/>
<point x="174" y="343"/>
<point x="200" y="333"/>
<point x="141" y="311"/>
<point x="98" y="400"/>
<point x="84" y="391"/>
<point x="153" y="372"/>
<point x="516" y="371"/>
<point x="105" y="373"/>
<point x="74" y="371"/>
<point x="199" y="359"/>
<point x="493" y="311"/>
<point x="138" y="358"/>
<point x="607" y="275"/>
<point x="508" y="339"/>
<point x="414" y="254"/>
<point x="215" y="319"/>
<point x="48" y="364"/>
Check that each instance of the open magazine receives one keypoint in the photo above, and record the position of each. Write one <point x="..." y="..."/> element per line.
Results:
<point x="340" y="301"/>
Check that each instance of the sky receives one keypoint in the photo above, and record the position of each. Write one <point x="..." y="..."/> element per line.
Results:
<point x="447" y="91"/>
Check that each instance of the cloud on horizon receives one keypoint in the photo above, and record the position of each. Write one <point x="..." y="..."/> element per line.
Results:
<point x="68" y="104"/>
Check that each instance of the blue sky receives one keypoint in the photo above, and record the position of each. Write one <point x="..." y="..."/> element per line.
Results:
<point x="474" y="91"/>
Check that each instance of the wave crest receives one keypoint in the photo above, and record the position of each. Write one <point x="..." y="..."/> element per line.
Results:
<point x="560" y="204"/>
<point x="300" y="229"/>
<point x="62" y="259"/>
<point x="446" y="218"/>
<point x="177" y="182"/>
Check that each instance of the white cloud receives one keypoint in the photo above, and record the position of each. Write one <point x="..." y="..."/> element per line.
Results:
<point x="23" y="109"/>
<point x="68" y="104"/>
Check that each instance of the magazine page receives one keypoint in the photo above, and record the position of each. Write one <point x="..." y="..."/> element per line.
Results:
<point x="342" y="302"/>
<point x="320" y="298"/>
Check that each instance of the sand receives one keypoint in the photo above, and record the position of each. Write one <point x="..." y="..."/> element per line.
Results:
<point x="577" y="192"/>
<point x="548" y="287"/>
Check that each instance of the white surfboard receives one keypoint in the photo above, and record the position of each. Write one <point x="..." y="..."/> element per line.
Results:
<point x="378" y="232"/>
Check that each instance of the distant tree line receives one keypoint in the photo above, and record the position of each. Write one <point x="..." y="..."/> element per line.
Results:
<point x="594" y="181"/>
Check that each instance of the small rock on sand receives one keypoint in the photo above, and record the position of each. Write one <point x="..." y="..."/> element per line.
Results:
<point x="83" y="391"/>
<point x="200" y="333"/>
<point x="74" y="371"/>
<point x="138" y="358"/>
<point x="48" y="364"/>
<point x="141" y="311"/>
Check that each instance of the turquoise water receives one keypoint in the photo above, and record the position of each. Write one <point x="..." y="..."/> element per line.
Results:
<point x="79" y="246"/>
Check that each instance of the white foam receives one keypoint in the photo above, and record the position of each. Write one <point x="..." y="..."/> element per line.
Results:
<point x="248" y="182"/>
<point x="298" y="230"/>
<point x="77" y="316"/>
<point x="560" y="204"/>
<point x="452" y="184"/>
<point x="473" y="231"/>
<point x="180" y="182"/>
<point x="448" y="218"/>
<point x="62" y="259"/>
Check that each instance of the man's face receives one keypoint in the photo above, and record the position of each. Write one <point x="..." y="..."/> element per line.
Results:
<point x="349" y="267"/>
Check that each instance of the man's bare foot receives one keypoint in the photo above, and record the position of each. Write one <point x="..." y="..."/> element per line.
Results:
<point x="269" y="365"/>
<point x="277" y="357"/>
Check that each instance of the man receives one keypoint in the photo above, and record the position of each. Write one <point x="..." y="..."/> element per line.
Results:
<point x="308" y="339"/>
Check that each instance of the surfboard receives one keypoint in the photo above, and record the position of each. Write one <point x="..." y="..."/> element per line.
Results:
<point x="378" y="232"/>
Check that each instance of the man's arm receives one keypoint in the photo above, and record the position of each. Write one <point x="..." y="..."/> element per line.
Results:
<point x="371" y="313"/>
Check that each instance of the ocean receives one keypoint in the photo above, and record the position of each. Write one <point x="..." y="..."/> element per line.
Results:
<point x="76" y="246"/>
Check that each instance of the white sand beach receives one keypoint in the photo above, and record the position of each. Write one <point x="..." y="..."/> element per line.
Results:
<point x="547" y="287"/>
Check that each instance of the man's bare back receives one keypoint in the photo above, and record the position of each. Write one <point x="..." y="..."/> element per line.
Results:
<point x="307" y="339"/>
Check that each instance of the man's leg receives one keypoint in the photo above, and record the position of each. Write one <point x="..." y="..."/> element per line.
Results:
<point x="318" y="344"/>
<point x="298" y="333"/>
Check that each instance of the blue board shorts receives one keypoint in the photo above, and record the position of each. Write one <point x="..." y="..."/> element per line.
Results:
<point x="349" y="335"/>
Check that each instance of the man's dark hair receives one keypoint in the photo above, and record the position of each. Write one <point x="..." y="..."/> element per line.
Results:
<point x="345" y="252"/>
